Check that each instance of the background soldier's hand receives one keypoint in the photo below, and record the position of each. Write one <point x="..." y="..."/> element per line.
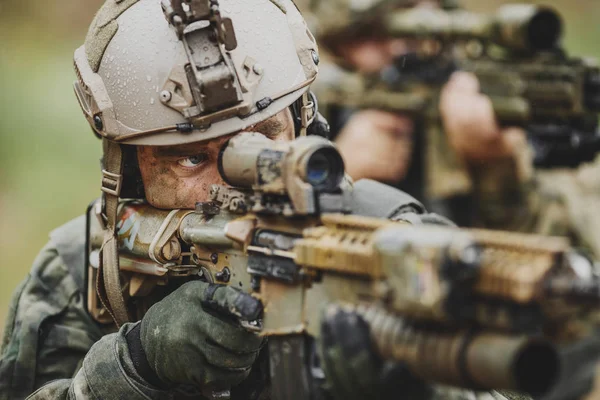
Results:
<point x="469" y="121"/>
<point x="192" y="337"/>
<point x="376" y="145"/>
<point x="353" y="370"/>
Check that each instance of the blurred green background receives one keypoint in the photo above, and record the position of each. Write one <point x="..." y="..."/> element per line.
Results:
<point x="49" y="159"/>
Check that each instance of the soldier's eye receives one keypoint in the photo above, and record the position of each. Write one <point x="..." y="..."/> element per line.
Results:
<point x="193" y="161"/>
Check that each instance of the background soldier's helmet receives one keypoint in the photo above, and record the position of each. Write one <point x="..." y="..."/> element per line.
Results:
<point x="337" y="21"/>
<point x="241" y="62"/>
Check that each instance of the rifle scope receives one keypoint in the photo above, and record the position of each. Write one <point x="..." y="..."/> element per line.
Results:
<point x="518" y="27"/>
<point x="250" y="160"/>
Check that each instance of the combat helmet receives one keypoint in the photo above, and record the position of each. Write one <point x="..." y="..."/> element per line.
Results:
<point x="337" y="21"/>
<point x="171" y="72"/>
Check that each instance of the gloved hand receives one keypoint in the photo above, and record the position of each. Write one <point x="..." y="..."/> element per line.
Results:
<point x="353" y="369"/>
<point x="193" y="337"/>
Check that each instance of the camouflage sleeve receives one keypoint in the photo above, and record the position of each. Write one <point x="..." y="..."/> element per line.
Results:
<point x="502" y="193"/>
<point x="557" y="202"/>
<point x="567" y="202"/>
<point x="107" y="373"/>
<point x="53" y="349"/>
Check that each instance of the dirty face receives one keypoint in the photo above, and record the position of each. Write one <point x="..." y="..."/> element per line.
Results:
<point x="179" y="176"/>
<point x="372" y="54"/>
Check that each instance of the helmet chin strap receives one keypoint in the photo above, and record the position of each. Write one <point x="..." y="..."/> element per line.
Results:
<point x="307" y="113"/>
<point x="108" y="282"/>
<point x="304" y="112"/>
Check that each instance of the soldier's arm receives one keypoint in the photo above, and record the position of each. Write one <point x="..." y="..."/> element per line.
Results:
<point x="53" y="350"/>
<point x="497" y="163"/>
<point x="107" y="372"/>
<point x="567" y="202"/>
<point x="555" y="202"/>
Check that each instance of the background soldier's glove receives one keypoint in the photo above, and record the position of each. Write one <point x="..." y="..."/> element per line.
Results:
<point x="353" y="370"/>
<point x="193" y="337"/>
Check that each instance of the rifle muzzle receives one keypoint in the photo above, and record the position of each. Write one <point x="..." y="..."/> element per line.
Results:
<point x="464" y="358"/>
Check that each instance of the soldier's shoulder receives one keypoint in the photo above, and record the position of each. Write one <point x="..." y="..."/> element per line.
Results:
<point x="54" y="276"/>
<point x="582" y="181"/>
<point x="58" y="270"/>
<point x="374" y="199"/>
<point x="47" y="313"/>
<point x="588" y="177"/>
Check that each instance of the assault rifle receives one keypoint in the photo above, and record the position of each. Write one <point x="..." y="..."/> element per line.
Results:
<point x="517" y="57"/>
<point x="471" y="308"/>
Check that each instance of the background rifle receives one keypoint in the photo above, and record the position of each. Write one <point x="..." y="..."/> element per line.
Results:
<point x="471" y="308"/>
<point x="517" y="57"/>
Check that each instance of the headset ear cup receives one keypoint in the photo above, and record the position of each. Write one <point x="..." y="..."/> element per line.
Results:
<point x="319" y="126"/>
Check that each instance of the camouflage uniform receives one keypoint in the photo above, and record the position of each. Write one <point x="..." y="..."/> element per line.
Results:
<point x="556" y="202"/>
<point x="49" y="332"/>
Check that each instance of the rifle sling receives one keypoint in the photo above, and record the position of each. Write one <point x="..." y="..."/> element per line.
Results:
<point x="108" y="281"/>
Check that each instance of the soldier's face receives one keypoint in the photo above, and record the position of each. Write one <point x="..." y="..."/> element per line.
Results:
<point x="371" y="55"/>
<point x="179" y="176"/>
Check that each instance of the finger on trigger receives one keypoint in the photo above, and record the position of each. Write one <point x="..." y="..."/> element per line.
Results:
<point x="228" y="300"/>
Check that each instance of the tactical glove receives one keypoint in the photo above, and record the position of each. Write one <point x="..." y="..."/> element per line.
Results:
<point x="193" y="337"/>
<point x="353" y="370"/>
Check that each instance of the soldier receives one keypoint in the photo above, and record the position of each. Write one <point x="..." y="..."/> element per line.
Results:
<point x="444" y="169"/>
<point x="164" y="94"/>
<point x="138" y="84"/>
<point x="473" y="166"/>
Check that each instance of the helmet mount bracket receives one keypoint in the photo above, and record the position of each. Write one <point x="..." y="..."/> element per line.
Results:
<point x="208" y="70"/>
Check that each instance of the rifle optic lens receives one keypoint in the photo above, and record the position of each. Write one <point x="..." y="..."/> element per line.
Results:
<point x="544" y="30"/>
<point x="324" y="169"/>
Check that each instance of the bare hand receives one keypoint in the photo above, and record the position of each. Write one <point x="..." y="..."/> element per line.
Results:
<point x="469" y="121"/>
<point x="376" y="145"/>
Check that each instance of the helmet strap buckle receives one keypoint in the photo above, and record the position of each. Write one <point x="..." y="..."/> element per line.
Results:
<point x="307" y="113"/>
<point x="111" y="183"/>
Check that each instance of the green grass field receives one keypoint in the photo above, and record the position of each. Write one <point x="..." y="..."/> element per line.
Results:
<point x="49" y="159"/>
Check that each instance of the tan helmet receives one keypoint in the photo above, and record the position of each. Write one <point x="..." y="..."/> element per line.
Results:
<point x="336" y="21"/>
<point x="191" y="70"/>
<point x="167" y="72"/>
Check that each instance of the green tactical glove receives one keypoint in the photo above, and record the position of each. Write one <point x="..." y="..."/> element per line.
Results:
<point x="193" y="337"/>
<point x="353" y="370"/>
